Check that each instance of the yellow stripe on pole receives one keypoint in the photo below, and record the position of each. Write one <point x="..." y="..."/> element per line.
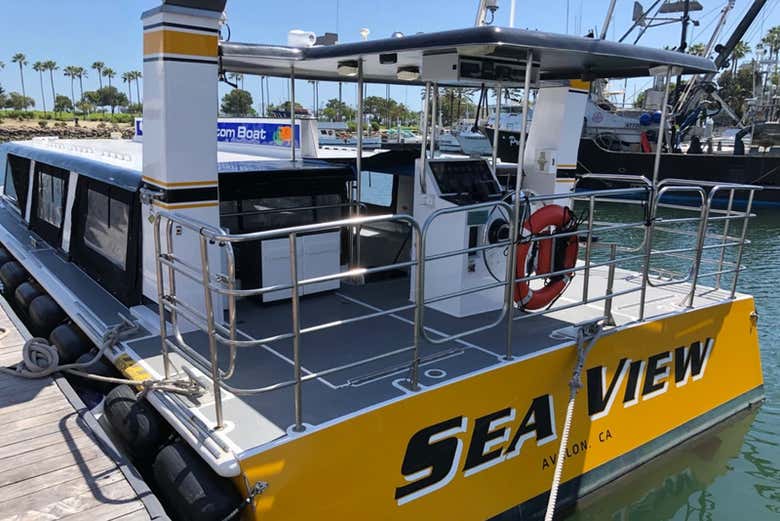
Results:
<point x="177" y="42"/>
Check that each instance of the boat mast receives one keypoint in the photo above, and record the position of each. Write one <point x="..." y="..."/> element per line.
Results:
<point x="686" y="18"/>
<point x="607" y="20"/>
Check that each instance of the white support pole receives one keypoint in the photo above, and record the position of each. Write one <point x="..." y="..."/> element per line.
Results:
<point x="661" y="130"/>
<point x="423" y="152"/>
<point x="496" y="130"/>
<point x="292" y="112"/>
<point x="516" y="222"/>
<point x="512" y="7"/>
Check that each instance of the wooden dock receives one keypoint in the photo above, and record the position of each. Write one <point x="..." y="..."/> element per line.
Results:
<point x="53" y="463"/>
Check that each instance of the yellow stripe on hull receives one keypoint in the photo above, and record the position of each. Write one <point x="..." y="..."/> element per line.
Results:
<point x="371" y="466"/>
<point x="176" y="42"/>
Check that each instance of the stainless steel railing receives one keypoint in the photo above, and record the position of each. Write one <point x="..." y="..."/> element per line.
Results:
<point x="215" y="274"/>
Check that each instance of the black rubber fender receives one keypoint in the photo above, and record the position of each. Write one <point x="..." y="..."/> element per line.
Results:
<point x="101" y="367"/>
<point x="189" y="488"/>
<point x="135" y="421"/>
<point x="44" y="315"/>
<point x="12" y="275"/>
<point x="70" y="342"/>
<point x="5" y="256"/>
<point x="25" y="294"/>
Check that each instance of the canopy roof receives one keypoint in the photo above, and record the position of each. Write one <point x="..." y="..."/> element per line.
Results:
<point x="560" y="57"/>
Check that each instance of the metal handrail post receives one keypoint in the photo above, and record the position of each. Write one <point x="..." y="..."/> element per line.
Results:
<point x="661" y="129"/>
<point x="172" y="277"/>
<point x="231" y="284"/>
<point x="419" y="306"/>
<point x="355" y="232"/>
<point x="296" y="325"/>
<point x="648" y="242"/>
<point x="216" y="389"/>
<point x="588" y="247"/>
<point x="726" y="224"/>
<point x="423" y="147"/>
<point x="160" y="297"/>
<point x="610" y="319"/>
<point x="434" y="118"/>
<point x="741" y="249"/>
<point x="702" y="236"/>
<point x="496" y="130"/>
<point x="514" y="229"/>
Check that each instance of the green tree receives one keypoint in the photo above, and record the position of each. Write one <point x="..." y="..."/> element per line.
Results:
<point x="62" y="104"/>
<point x="237" y="102"/>
<point x="21" y="60"/>
<point x="109" y="73"/>
<point x="39" y="67"/>
<point x="18" y="101"/>
<point x="736" y="88"/>
<point x="284" y="108"/>
<point x="336" y="110"/>
<point x="99" y="66"/>
<point x="105" y="97"/>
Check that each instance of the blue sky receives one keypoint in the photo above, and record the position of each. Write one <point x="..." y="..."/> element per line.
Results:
<point x="79" y="32"/>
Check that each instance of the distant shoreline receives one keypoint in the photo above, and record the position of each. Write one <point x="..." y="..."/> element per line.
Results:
<point x="14" y="130"/>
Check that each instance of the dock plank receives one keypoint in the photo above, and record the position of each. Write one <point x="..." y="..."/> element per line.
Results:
<point x="51" y="465"/>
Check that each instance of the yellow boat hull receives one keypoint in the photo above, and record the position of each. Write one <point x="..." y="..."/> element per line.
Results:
<point x="481" y="445"/>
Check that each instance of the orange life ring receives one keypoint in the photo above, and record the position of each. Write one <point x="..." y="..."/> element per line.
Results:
<point x="544" y="261"/>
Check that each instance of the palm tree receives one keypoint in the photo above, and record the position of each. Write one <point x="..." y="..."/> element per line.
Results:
<point x="109" y="73"/>
<point x="71" y="71"/>
<point x="127" y="77"/>
<point x="741" y="50"/>
<point x="697" y="49"/>
<point x="21" y="59"/>
<point x="51" y="66"/>
<point x="81" y="73"/>
<point x="39" y="67"/>
<point x="137" y="76"/>
<point x="99" y="66"/>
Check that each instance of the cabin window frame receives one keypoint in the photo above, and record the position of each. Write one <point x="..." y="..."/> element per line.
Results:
<point x="21" y="184"/>
<point x="123" y="282"/>
<point x="48" y="231"/>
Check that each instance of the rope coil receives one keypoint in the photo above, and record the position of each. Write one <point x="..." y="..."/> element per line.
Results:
<point x="41" y="359"/>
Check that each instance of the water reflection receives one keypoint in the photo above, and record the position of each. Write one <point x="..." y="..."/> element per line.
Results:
<point x="676" y="485"/>
<point x="731" y="472"/>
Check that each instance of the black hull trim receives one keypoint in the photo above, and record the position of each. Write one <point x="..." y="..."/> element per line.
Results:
<point x="570" y="491"/>
<point x="760" y="170"/>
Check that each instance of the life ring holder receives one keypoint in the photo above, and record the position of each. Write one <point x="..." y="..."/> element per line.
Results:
<point x="538" y="256"/>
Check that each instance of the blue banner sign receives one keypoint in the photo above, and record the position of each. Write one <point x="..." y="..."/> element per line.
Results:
<point x="248" y="132"/>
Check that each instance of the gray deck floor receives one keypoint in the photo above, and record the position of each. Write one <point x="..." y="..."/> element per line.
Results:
<point x="51" y="464"/>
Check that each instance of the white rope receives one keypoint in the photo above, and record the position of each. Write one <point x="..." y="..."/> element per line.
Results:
<point x="587" y="336"/>
<point x="41" y="359"/>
